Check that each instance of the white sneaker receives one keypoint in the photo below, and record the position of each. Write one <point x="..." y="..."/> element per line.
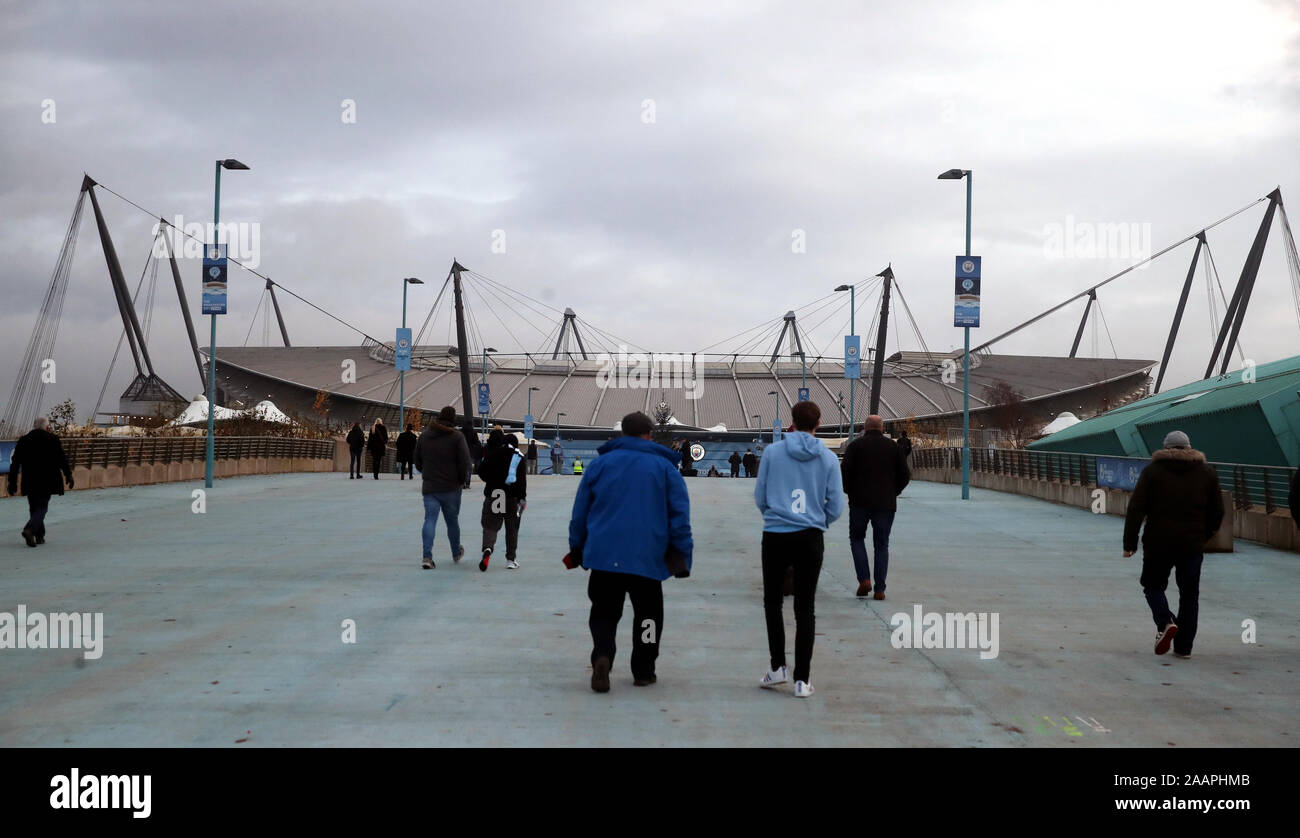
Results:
<point x="512" y="565"/>
<point x="802" y="689"/>
<point x="776" y="676"/>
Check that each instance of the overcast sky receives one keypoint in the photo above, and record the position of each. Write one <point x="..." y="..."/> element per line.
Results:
<point x="651" y="165"/>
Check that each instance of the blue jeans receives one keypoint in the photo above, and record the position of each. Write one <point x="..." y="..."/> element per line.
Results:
<point x="449" y="503"/>
<point x="881" y="520"/>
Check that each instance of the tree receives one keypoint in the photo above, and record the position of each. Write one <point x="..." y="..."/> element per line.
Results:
<point x="321" y="406"/>
<point x="63" y="416"/>
<point x="1009" y="413"/>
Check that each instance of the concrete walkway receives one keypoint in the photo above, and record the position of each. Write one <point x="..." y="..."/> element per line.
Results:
<point x="225" y="629"/>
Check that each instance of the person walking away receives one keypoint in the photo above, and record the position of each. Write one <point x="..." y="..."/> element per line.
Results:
<point x="631" y="528"/>
<point x="798" y="494"/>
<point x="874" y="472"/>
<point x="557" y="458"/>
<point x="405" y="451"/>
<point x="505" y="490"/>
<point x="38" y="456"/>
<point x="532" y="456"/>
<point x="734" y="461"/>
<point x="751" y="463"/>
<point x="577" y="466"/>
<point x="442" y="456"/>
<point x="356" y="444"/>
<point x="1179" y="498"/>
<point x="378" y="444"/>
<point x="905" y="445"/>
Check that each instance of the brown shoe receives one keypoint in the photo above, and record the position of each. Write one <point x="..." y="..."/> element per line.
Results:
<point x="864" y="588"/>
<point x="880" y="594"/>
<point x="29" y="537"/>
<point x="600" y="675"/>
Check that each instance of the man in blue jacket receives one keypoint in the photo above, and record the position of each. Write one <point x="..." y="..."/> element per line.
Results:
<point x="631" y="522"/>
<point x="799" y="494"/>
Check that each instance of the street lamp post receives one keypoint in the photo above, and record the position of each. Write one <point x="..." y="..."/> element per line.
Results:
<point x="483" y="380"/>
<point x="958" y="174"/>
<point x="776" y="416"/>
<point x="532" y="390"/>
<point x="211" y="458"/>
<point x="401" y="397"/>
<point x="853" y="384"/>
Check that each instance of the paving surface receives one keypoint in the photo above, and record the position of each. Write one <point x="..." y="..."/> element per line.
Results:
<point x="226" y="629"/>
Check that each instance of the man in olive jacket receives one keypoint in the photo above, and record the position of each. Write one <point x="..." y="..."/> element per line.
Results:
<point x="39" y="457"/>
<point x="1178" y="495"/>
<point x="442" y="456"/>
<point x="874" y="472"/>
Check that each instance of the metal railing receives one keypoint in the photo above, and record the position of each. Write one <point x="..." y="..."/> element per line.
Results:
<point x="1249" y="485"/>
<point x="123" y="451"/>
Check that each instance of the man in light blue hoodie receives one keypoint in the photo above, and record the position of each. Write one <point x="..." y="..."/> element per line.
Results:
<point x="799" y="494"/>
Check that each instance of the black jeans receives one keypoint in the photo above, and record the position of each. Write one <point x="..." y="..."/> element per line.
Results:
<point x="803" y="550"/>
<point x="376" y="460"/>
<point x="492" y="522"/>
<point x="1155" y="579"/>
<point x="404" y="469"/>
<point x="354" y="464"/>
<point x="606" y="591"/>
<point x="37" y="506"/>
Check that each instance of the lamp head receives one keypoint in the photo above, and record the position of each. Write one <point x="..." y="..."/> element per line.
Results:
<point x="954" y="174"/>
<point x="231" y="163"/>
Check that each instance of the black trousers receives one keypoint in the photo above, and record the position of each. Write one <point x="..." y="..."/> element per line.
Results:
<point x="37" y="506"/>
<point x="606" y="591"/>
<point x="376" y="459"/>
<point x="1155" y="579"/>
<point x="354" y="463"/>
<point x="803" y="550"/>
<point x="492" y="522"/>
<point x="404" y="469"/>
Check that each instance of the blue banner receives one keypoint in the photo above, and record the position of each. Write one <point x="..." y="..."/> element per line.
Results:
<point x="852" y="356"/>
<point x="777" y="432"/>
<point x="484" y="399"/>
<point x="966" y="311"/>
<point x="803" y="394"/>
<point x="402" y="350"/>
<point x="6" y="452"/>
<point x="214" y="279"/>
<point x="528" y="426"/>
<point x="1116" y="473"/>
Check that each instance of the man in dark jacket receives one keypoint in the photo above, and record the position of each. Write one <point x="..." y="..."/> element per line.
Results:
<point x="532" y="456"/>
<point x="751" y="463"/>
<point x="905" y="445"/>
<point x="406" y="451"/>
<point x="40" y="459"/>
<point x="874" y="472"/>
<point x="356" y="445"/>
<point x="1178" y="495"/>
<point x="378" y="445"/>
<point x="442" y="457"/>
<point x="505" y="492"/>
<point x="734" y="460"/>
<point x="631" y="516"/>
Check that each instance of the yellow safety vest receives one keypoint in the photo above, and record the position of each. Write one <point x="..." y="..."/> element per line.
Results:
<point x="577" y="466"/>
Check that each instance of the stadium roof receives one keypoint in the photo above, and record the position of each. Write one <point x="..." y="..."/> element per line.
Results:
<point x="731" y="391"/>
